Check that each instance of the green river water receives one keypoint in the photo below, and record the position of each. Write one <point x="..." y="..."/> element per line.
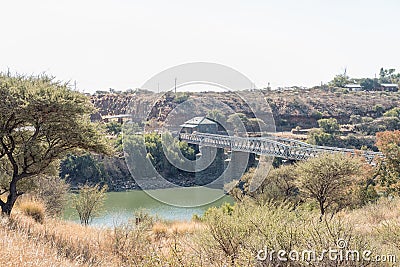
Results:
<point x="120" y="206"/>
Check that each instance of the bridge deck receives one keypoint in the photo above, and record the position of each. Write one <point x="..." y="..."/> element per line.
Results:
<point x="271" y="146"/>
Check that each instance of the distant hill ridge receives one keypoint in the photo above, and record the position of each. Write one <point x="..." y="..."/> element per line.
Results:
<point x="291" y="108"/>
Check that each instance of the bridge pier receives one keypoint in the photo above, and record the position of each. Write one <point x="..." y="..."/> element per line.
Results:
<point x="236" y="165"/>
<point x="215" y="168"/>
<point x="210" y="167"/>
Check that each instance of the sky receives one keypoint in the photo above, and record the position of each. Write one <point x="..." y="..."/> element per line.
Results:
<point x="120" y="44"/>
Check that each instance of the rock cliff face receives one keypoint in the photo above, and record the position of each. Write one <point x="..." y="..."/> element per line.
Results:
<point x="290" y="108"/>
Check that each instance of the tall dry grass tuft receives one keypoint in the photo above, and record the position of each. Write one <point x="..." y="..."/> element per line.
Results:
<point x="168" y="229"/>
<point x="32" y="208"/>
<point x="160" y="230"/>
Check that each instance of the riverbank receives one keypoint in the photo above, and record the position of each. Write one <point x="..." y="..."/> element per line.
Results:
<point x="61" y="243"/>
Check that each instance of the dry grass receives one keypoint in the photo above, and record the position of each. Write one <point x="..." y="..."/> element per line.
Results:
<point x="63" y="243"/>
<point x="25" y="242"/>
<point x="32" y="208"/>
<point x="374" y="215"/>
<point x="166" y="229"/>
<point x="379" y="223"/>
<point x="71" y="241"/>
<point x="17" y="249"/>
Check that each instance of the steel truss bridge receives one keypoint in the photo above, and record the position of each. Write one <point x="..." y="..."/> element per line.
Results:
<point x="271" y="146"/>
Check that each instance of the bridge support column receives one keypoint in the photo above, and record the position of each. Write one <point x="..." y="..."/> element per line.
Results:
<point x="209" y="167"/>
<point x="236" y="165"/>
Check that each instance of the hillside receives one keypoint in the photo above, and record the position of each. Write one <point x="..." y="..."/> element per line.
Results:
<point x="360" y="115"/>
<point x="302" y="107"/>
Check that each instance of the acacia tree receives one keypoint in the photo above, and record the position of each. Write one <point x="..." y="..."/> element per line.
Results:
<point x="277" y="184"/>
<point x="329" y="179"/>
<point x="41" y="121"/>
<point x="340" y="80"/>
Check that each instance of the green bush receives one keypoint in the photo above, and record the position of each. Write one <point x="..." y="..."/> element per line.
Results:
<point x="329" y="126"/>
<point x="330" y="179"/>
<point x="276" y="184"/>
<point x="181" y="97"/>
<point x="321" y="138"/>
<point x="394" y="112"/>
<point x="89" y="201"/>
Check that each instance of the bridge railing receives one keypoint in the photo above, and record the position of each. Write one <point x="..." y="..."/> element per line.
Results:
<point x="271" y="146"/>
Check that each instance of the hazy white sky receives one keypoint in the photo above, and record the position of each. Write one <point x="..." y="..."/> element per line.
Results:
<point x="120" y="44"/>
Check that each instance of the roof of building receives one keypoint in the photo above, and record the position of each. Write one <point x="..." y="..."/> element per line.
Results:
<point x="389" y="85"/>
<point x="353" y="86"/>
<point x="197" y="121"/>
<point x="117" y="116"/>
<point x="188" y="125"/>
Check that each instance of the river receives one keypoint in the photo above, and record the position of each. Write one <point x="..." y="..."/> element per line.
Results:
<point x="119" y="207"/>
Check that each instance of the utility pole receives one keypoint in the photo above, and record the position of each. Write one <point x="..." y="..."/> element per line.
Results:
<point x="175" y="85"/>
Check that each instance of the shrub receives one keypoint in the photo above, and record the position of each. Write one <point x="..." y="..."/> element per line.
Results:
<point x="321" y="138"/>
<point x="394" y="112"/>
<point x="354" y="119"/>
<point x="329" y="126"/>
<point x="143" y="217"/>
<point x="388" y="143"/>
<point x="196" y="218"/>
<point x="114" y="128"/>
<point x="389" y="233"/>
<point x="236" y="239"/>
<point x="132" y="243"/>
<point x="53" y="191"/>
<point x="89" y="201"/>
<point x="378" y="109"/>
<point x="316" y="114"/>
<point x="181" y="97"/>
<point x="278" y="185"/>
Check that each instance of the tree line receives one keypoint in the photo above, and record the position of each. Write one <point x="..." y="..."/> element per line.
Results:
<point x="386" y="76"/>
